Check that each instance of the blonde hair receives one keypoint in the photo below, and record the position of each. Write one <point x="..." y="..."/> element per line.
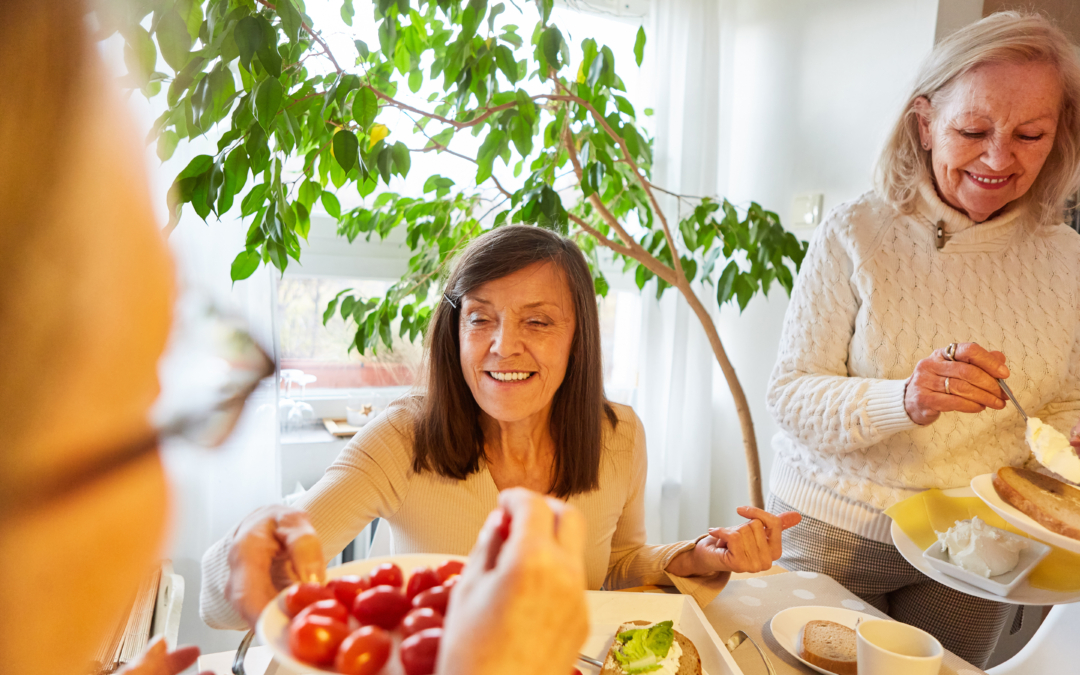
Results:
<point x="1003" y="37"/>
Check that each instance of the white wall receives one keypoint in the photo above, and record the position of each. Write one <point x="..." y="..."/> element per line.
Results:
<point x="809" y="90"/>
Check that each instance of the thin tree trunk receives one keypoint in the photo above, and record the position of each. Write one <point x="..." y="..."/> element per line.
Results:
<point x="753" y="462"/>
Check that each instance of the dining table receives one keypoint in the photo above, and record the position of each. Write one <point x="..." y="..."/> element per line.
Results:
<point x="747" y="604"/>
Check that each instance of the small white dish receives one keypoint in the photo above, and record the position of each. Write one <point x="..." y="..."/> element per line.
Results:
<point x="1002" y="584"/>
<point x="787" y="626"/>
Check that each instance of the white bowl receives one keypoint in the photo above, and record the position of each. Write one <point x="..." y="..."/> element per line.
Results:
<point x="1002" y="584"/>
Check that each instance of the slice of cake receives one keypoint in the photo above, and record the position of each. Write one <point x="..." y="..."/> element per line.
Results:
<point x="643" y="647"/>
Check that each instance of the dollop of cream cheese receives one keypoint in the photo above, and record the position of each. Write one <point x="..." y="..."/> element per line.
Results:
<point x="981" y="549"/>
<point x="669" y="665"/>
<point x="1052" y="449"/>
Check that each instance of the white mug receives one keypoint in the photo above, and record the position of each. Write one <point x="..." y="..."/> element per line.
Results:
<point x="894" y="648"/>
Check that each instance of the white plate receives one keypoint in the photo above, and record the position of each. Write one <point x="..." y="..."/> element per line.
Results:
<point x="1024" y="594"/>
<point x="788" y="624"/>
<point x="607" y="610"/>
<point x="273" y="625"/>
<point x="983" y="486"/>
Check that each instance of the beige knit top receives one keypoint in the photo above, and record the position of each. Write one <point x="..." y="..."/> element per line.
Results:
<point x="428" y="513"/>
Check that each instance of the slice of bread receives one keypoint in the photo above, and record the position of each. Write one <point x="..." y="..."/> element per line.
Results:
<point x="1050" y="502"/>
<point x="689" y="660"/>
<point x="828" y="645"/>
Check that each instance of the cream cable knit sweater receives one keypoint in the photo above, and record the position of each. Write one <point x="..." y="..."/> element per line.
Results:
<point x="874" y="297"/>
<point x="373" y="477"/>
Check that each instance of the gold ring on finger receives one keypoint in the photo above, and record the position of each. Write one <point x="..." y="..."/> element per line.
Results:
<point x="950" y="352"/>
<point x="947" y="387"/>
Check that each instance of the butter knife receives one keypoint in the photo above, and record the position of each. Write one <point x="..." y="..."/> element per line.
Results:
<point x="1008" y="392"/>
<point x="738" y="637"/>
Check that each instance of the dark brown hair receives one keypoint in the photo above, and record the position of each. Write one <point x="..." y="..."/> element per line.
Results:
<point x="448" y="438"/>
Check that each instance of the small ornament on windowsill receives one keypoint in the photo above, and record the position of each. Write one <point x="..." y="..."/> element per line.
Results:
<point x="360" y="415"/>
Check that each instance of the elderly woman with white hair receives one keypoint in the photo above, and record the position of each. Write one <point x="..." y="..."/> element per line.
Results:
<point x="915" y="298"/>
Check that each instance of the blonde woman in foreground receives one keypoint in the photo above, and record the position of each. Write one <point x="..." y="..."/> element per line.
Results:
<point x="956" y="270"/>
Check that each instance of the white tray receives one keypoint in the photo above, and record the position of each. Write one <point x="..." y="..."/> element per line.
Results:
<point x="607" y="610"/>
<point x="1024" y="594"/>
<point x="983" y="486"/>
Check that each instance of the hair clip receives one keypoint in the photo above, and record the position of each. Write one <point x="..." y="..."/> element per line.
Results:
<point x="447" y="298"/>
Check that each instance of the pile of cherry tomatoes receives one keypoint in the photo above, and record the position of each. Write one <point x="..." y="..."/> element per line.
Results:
<point x="347" y="624"/>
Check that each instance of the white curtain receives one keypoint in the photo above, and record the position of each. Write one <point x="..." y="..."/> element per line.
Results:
<point x="676" y="367"/>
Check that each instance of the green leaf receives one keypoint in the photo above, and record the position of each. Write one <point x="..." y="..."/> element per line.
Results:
<point x="249" y="37"/>
<point x="267" y="51"/>
<point x="235" y="177"/>
<point x="385" y="163"/>
<point x="489" y="150"/>
<point x="347" y="12"/>
<point x="362" y="49"/>
<point x="551" y="41"/>
<point x="416" y="80"/>
<point x="196" y="167"/>
<point x="257" y="150"/>
<point x="526" y="106"/>
<point x="309" y="192"/>
<point x="290" y="19"/>
<point x="639" y="46"/>
<point x="346" y="149"/>
<point x="174" y="39"/>
<point x="402" y="159"/>
<point x="504" y="59"/>
<point x="725" y="287"/>
<point x="365" y="107"/>
<point x="245" y="264"/>
<point x="744" y="290"/>
<point x="253" y="200"/>
<point x="166" y="144"/>
<point x="331" y="204"/>
<point x="268" y="101"/>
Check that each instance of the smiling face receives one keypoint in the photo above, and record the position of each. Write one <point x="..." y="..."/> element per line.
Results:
<point x="515" y="335"/>
<point x="991" y="134"/>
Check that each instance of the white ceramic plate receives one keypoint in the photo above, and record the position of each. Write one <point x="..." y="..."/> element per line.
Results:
<point x="273" y="625"/>
<point x="983" y="486"/>
<point x="787" y="626"/>
<point x="1023" y="594"/>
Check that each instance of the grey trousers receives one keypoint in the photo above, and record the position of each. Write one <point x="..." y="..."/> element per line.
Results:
<point x="967" y="626"/>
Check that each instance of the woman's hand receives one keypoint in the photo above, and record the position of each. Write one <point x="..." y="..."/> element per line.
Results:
<point x="271" y="538"/>
<point x="750" y="547"/>
<point x="158" y="660"/>
<point x="519" y="606"/>
<point x="972" y="383"/>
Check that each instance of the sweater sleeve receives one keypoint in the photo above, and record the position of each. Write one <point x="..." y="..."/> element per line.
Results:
<point x="811" y="395"/>
<point x="368" y="480"/>
<point x="633" y="563"/>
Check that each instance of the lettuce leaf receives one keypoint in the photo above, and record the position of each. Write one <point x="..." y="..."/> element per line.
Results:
<point x="641" y="650"/>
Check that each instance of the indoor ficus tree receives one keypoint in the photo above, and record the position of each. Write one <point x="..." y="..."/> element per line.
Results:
<point x="299" y="124"/>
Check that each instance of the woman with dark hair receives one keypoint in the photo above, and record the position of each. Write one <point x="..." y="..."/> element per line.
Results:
<point x="513" y="398"/>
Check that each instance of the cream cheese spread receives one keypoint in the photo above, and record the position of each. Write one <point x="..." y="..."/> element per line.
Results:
<point x="1052" y="449"/>
<point x="981" y="549"/>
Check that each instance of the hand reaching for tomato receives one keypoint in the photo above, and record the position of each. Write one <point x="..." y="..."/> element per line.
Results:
<point x="272" y="547"/>
<point x="158" y="660"/>
<point x="523" y="586"/>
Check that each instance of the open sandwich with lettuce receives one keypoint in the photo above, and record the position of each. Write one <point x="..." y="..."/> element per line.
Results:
<point x="643" y="647"/>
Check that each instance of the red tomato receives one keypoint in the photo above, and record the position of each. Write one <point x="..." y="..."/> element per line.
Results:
<point x="382" y="606"/>
<point x="575" y="671"/>
<point x="364" y="652"/>
<point x="315" y="639"/>
<point x="387" y="574"/>
<point x="449" y="569"/>
<point x="436" y="598"/>
<point x="503" y="530"/>
<point x="422" y="579"/>
<point x="331" y="608"/>
<point x="420" y="619"/>
<point x="347" y="588"/>
<point x="302" y="595"/>
<point x="419" y="652"/>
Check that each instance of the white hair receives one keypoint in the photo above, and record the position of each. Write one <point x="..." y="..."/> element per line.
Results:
<point x="1003" y="37"/>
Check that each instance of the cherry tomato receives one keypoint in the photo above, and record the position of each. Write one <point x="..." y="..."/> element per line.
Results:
<point x="315" y="638"/>
<point x="347" y="588"/>
<point x="331" y="608"/>
<point x="449" y="570"/>
<point x="419" y="652"/>
<point x="420" y="619"/>
<point x="382" y="606"/>
<point x="364" y="652"/>
<point x="575" y="671"/>
<point x="436" y="598"/>
<point x="302" y="595"/>
<point x="422" y="579"/>
<point x="387" y="574"/>
<point x="503" y="530"/>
